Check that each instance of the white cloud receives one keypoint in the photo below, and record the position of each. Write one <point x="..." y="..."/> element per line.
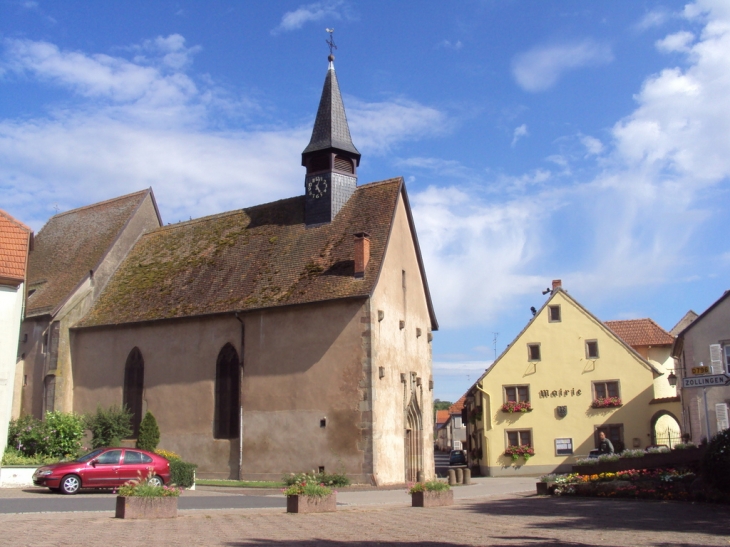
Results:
<point x="377" y="127"/>
<point x="519" y="132"/>
<point x="679" y="41"/>
<point x="654" y="18"/>
<point x="293" y="20"/>
<point x="592" y="144"/>
<point x="541" y="67"/>
<point x="448" y="44"/>
<point x="147" y="122"/>
<point x="475" y="368"/>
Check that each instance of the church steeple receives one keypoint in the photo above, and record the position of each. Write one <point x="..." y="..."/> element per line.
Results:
<point x="330" y="157"/>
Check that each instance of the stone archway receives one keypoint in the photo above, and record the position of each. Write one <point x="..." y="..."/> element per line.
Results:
<point x="665" y="429"/>
<point x="413" y="440"/>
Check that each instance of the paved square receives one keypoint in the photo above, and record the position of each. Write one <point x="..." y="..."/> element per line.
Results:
<point x="503" y="521"/>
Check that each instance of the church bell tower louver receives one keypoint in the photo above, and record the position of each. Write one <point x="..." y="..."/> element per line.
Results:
<point x="330" y="157"/>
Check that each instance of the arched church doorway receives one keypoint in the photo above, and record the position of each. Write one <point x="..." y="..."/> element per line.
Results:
<point x="665" y="429"/>
<point x="413" y="440"/>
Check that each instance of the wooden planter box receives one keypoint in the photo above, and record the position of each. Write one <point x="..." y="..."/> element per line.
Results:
<point x="432" y="499"/>
<point x="135" y="507"/>
<point x="311" y="504"/>
<point x="543" y="488"/>
<point x="689" y="457"/>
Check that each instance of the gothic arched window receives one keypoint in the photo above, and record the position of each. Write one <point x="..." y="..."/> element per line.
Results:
<point x="133" y="387"/>
<point x="227" y="394"/>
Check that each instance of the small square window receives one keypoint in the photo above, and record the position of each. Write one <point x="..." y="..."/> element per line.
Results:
<point x="603" y="390"/>
<point x="519" y="438"/>
<point x="517" y="394"/>
<point x="533" y="352"/>
<point x="592" y="349"/>
<point x="554" y="314"/>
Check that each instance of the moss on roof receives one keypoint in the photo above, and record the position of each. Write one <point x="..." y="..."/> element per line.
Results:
<point x="259" y="257"/>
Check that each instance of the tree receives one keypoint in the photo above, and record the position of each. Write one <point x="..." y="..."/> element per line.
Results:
<point x="149" y="433"/>
<point x="109" y="426"/>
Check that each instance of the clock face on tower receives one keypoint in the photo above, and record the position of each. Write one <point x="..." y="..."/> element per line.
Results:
<point x="317" y="186"/>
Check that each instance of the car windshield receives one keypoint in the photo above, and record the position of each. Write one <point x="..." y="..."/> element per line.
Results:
<point x="90" y="455"/>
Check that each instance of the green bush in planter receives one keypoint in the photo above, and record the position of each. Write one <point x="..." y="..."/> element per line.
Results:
<point x="149" y="433"/>
<point x="182" y="473"/>
<point x="109" y="426"/>
<point x="716" y="462"/>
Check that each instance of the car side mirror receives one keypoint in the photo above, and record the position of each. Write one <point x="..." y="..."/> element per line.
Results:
<point x="92" y="463"/>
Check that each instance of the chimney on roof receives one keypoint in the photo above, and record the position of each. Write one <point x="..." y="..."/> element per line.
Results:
<point x="362" y="253"/>
<point x="557" y="284"/>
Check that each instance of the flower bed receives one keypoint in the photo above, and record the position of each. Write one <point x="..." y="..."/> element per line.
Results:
<point x="687" y="457"/>
<point x="139" y="500"/>
<point x="513" y="406"/>
<point x="662" y="484"/>
<point x="309" y="497"/>
<point x="515" y="452"/>
<point x="607" y="402"/>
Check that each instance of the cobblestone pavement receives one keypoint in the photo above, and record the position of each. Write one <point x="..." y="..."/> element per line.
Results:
<point x="503" y="521"/>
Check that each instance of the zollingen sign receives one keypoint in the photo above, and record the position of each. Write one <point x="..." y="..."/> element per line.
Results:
<point x="705" y="381"/>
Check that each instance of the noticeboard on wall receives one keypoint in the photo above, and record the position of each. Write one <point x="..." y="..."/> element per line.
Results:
<point x="563" y="447"/>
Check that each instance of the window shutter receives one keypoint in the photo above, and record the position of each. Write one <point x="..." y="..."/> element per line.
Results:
<point x="723" y="422"/>
<point x="716" y="359"/>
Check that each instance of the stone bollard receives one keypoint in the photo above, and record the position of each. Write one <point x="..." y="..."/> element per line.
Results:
<point x="420" y="477"/>
<point x="467" y="476"/>
<point x="452" y="477"/>
<point x="459" y="475"/>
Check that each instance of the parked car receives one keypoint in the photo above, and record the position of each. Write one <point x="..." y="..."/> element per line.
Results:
<point x="457" y="457"/>
<point x="103" y="468"/>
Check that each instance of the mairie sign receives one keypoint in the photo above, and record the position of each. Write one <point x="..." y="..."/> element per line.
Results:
<point x="706" y="381"/>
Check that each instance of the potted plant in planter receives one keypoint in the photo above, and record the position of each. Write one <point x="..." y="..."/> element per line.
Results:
<point x="431" y="494"/>
<point x="607" y="402"/>
<point x="139" y="500"/>
<point x="514" y="406"/>
<point x="310" y="497"/>
<point x="515" y="452"/>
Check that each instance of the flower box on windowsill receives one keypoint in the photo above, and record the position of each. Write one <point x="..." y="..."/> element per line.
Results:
<point x="138" y="507"/>
<point x="512" y="407"/>
<point x="516" y="452"/>
<point x="430" y="498"/>
<point x="311" y="504"/>
<point x="607" y="402"/>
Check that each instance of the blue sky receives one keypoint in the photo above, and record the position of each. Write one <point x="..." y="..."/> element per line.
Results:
<point x="586" y="141"/>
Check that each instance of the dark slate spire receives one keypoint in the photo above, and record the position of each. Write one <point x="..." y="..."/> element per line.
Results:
<point x="331" y="131"/>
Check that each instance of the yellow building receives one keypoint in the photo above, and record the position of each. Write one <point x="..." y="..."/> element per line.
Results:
<point x="562" y="380"/>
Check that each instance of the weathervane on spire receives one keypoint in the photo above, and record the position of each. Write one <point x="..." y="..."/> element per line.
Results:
<point x="331" y="44"/>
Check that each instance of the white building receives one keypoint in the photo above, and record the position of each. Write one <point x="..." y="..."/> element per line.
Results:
<point x="15" y="241"/>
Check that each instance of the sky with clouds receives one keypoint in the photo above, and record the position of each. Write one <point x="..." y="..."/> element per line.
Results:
<point x="538" y="140"/>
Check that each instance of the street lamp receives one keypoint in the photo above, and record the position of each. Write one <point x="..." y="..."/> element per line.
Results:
<point x="672" y="379"/>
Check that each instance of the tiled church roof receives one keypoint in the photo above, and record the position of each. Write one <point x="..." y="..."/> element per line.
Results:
<point x="258" y="257"/>
<point x="640" y="332"/>
<point x="14" y="241"/>
<point x="71" y="244"/>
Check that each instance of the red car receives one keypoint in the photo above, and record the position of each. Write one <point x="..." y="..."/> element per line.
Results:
<point x="103" y="468"/>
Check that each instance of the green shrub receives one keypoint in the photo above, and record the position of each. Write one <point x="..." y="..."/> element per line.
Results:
<point x="310" y="489"/>
<point x="716" y="462"/>
<point x="336" y="480"/>
<point x="64" y="431"/>
<point x="149" y="433"/>
<point x="182" y="473"/>
<point x="58" y="436"/>
<point x="632" y="453"/>
<point x="109" y="426"/>
<point x="430" y="486"/>
<point x="14" y="457"/>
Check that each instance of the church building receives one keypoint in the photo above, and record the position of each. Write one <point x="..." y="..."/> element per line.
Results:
<point x="285" y="337"/>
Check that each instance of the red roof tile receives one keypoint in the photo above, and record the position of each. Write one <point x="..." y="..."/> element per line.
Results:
<point x="640" y="332"/>
<point x="71" y="244"/>
<point x="457" y="407"/>
<point x="442" y="416"/>
<point x="259" y="257"/>
<point x="14" y="242"/>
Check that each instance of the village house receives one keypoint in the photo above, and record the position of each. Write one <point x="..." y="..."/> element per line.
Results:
<point x="702" y="349"/>
<point x="565" y="378"/>
<point x="16" y="240"/>
<point x="284" y="337"/>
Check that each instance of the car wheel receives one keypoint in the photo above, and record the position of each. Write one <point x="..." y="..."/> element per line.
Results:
<point x="70" y="484"/>
<point x="156" y="481"/>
